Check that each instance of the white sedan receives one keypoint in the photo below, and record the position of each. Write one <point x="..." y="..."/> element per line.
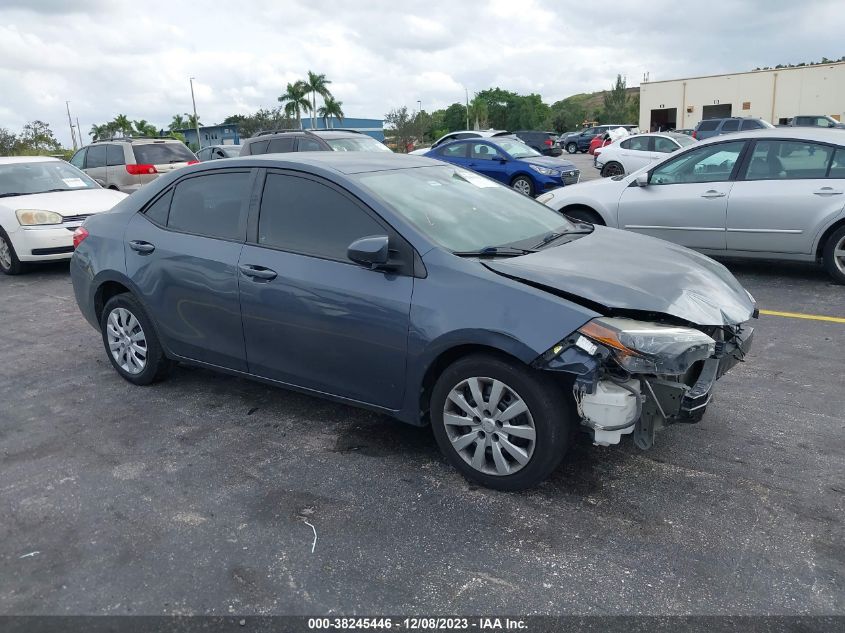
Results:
<point x="635" y="152"/>
<point x="42" y="201"/>
<point x="764" y="194"/>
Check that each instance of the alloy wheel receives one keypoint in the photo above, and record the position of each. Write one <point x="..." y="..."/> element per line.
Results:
<point x="522" y="186"/>
<point x="5" y="254"/>
<point x="127" y="341"/>
<point x="839" y="255"/>
<point x="489" y="426"/>
<point x="613" y="169"/>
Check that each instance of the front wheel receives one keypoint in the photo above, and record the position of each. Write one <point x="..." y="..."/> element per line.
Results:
<point x="833" y="256"/>
<point x="524" y="185"/>
<point x="131" y="341"/>
<point x="572" y="148"/>
<point x="9" y="262"/>
<point x="500" y="423"/>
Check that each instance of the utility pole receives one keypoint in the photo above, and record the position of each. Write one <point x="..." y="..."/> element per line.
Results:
<point x="79" y="131"/>
<point x="466" y="92"/>
<point x="196" y="119"/>
<point x="70" y="123"/>
<point x="419" y="103"/>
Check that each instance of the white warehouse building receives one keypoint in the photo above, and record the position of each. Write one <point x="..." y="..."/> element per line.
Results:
<point x="774" y="95"/>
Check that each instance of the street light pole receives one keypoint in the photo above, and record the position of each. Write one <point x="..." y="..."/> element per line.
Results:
<point x="466" y="92"/>
<point x="419" y="103"/>
<point x="70" y="123"/>
<point x="196" y="119"/>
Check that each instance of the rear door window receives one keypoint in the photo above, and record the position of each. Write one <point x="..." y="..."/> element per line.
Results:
<point x="114" y="155"/>
<point x="456" y="150"/>
<point x="788" y="160"/>
<point x="213" y="205"/>
<point x="162" y="153"/>
<point x="259" y="147"/>
<point x="280" y="145"/>
<point x="158" y="210"/>
<point x="750" y="125"/>
<point x="309" y="145"/>
<point x="708" y="126"/>
<point x="96" y="157"/>
<point x="837" y="166"/>
<point x="731" y="125"/>
<point x="638" y="143"/>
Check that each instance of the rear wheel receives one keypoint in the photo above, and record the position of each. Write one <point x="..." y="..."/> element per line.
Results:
<point x="524" y="185"/>
<point x="500" y="423"/>
<point x="834" y="255"/>
<point x="131" y="341"/>
<point x="9" y="262"/>
<point x="612" y="169"/>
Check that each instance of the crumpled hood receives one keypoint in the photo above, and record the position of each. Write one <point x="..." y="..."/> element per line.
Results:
<point x="626" y="271"/>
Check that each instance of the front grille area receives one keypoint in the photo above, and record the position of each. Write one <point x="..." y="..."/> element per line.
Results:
<point x="570" y="180"/>
<point x="76" y="218"/>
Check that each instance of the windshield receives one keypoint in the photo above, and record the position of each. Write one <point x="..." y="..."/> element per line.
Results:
<point x="461" y="210"/>
<point x="516" y="149"/>
<point x="162" y="153"/>
<point x="41" y="177"/>
<point x="357" y="144"/>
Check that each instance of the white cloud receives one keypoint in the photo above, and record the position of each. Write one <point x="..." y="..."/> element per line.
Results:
<point x="107" y="57"/>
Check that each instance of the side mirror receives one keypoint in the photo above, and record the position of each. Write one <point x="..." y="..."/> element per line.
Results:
<point x="642" y="179"/>
<point x="372" y="251"/>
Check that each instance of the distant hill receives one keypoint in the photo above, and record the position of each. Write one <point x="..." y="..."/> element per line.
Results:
<point x="593" y="102"/>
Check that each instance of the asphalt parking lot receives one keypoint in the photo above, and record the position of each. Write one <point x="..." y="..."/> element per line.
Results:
<point x="198" y="495"/>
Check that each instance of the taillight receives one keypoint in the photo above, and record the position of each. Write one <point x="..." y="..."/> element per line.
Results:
<point x="693" y="134"/>
<point x="549" y="142"/>
<point x="193" y="162"/>
<point x="140" y="170"/>
<point x="79" y="236"/>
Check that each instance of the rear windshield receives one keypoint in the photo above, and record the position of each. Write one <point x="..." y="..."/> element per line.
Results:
<point x="357" y="144"/>
<point x="162" y="153"/>
<point x="708" y="126"/>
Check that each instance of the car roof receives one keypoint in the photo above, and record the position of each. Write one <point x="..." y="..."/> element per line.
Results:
<point x="822" y="135"/>
<point x="11" y="160"/>
<point x="340" y="162"/>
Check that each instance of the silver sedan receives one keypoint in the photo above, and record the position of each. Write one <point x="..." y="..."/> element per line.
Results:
<point x="767" y="194"/>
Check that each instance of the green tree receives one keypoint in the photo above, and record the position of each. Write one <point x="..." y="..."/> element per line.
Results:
<point x="455" y="117"/>
<point x="616" y="105"/>
<point x="8" y="142"/>
<point x="177" y="123"/>
<point x="295" y="101"/>
<point x="316" y="84"/>
<point x="123" y="125"/>
<point x="99" y="132"/>
<point x="331" y="109"/>
<point x="37" y="138"/>
<point x="402" y="127"/>
<point x="145" y="128"/>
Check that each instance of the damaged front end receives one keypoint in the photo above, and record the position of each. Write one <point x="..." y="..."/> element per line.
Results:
<point x="636" y="377"/>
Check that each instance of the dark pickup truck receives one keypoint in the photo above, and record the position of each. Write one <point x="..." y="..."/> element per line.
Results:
<point x="820" y="120"/>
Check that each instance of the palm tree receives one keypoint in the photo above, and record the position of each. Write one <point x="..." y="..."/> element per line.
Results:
<point x="122" y="124"/>
<point x="295" y="100"/>
<point x="178" y="123"/>
<point x="331" y="108"/>
<point x="99" y="131"/>
<point x="145" y="128"/>
<point x="316" y="84"/>
<point x="193" y="120"/>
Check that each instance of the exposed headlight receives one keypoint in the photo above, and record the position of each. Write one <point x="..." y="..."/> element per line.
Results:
<point x="32" y="217"/>
<point x="545" y="170"/>
<point x="545" y="197"/>
<point x="643" y="347"/>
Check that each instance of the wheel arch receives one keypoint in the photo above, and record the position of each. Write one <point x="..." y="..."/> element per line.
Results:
<point x="825" y="235"/>
<point x="578" y="206"/>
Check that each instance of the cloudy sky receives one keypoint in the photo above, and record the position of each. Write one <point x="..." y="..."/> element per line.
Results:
<point x="113" y="56"/>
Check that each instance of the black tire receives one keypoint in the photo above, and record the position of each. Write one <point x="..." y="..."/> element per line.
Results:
<point x="572" y="148"/>
<point x="156" y="364"/>
<point x="582" y="214"/>
<point x="525" y="185"/>
<point x="14" y="266"/>
<point x="836" y="242"/>
<point x="612" y="169"/>
<point x="550" y="410"/>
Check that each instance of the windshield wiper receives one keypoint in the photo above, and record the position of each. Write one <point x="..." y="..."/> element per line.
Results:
<point x="550" y="237"/>
<point x="496" y="251"/>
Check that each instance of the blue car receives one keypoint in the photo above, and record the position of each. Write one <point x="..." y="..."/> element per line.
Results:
<point x="417" y="289"/>
<point x="511" y="162"/>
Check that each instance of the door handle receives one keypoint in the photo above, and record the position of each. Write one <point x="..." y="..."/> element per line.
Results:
<point x="712" y="193"/>
<point x="828" y="191"/>
<point x="141" y="246"/>
<point x="257" y="272"/>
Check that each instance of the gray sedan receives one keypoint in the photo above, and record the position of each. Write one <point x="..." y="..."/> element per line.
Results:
<point x="418" y="289"/>
<point x="768" y="194"/>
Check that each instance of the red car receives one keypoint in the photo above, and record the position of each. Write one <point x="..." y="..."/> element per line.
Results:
<point x="599" y="141"/>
